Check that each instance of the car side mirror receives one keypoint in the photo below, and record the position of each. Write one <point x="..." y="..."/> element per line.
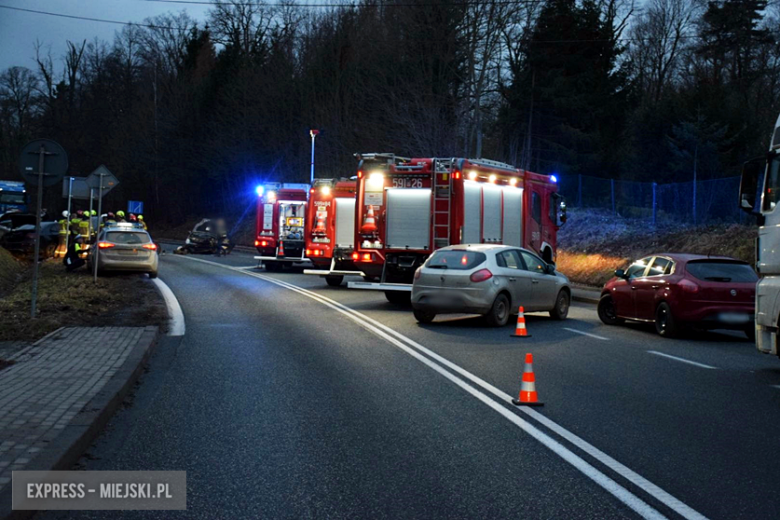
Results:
<point x="620" y="273"/>
<point x="550" y="269"/>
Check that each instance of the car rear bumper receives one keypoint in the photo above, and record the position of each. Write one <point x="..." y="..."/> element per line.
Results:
<point x="145" y="265"/>
<point x="717" y="316"/>
<point x="452" y="300"/>
<point x="726" y="321"/>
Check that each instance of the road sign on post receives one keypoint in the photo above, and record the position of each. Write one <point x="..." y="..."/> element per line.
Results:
<point x="102" y="181"/>
<point x="75" y="187"/>
<point x="42" y="163"/>
<point x="135" y="206"/>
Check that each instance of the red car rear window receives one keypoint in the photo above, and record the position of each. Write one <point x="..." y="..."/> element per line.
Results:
<point x="722" y="271"/>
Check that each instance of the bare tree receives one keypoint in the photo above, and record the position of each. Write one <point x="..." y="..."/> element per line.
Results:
<point x="243" y="25"/>
<point x="660" y="37"/>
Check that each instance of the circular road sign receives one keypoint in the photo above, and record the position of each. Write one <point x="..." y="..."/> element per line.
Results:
<point x="55" y="162"/>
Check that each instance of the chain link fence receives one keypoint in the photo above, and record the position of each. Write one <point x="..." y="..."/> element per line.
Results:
<point x="705" y="202"/>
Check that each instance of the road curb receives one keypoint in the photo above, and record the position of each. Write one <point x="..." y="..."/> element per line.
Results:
<point x="66" y="449"/>
<point x="585" y="294"/>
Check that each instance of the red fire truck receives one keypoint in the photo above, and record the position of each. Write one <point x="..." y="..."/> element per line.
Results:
<point x="281" y="221"/>
<point x="330" y="234"/>
<point x="407" y="208"/>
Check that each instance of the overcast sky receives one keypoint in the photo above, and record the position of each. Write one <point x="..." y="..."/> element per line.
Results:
<point x="19" y="30"/>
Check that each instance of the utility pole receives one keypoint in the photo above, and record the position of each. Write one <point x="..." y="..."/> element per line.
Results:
<point x="313" y="134"/>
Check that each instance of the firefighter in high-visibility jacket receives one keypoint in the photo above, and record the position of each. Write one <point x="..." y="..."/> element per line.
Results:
<point x="62" y="246"/>
<point x="74" y="223"/>
<point x="73" y="258"/>
<point x="142" y="221"/>
<point x="84" y="224"/>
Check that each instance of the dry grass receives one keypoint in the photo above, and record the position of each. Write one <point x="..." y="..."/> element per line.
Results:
<point x="73" y="299"/>
<point x="11" y="270"/>
<point x="593" y="244"/>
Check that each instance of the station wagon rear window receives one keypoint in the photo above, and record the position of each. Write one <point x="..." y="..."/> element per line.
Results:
<point x="455" y="260"/>
<point x="722" y="271"/>
<point x="123" y="237"/>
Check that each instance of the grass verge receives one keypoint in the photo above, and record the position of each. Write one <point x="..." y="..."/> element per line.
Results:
<point x="593" y="244"/>
<point x="73" y="299"/>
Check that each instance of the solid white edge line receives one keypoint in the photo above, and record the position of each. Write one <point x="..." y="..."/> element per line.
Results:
<point x="586" y="334"/>
<point x="682" y="360"/>
<point x="656" y="492"/>
<point x="176" y="325"/>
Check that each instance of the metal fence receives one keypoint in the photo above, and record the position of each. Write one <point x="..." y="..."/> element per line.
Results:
<point x="704" y="202"/>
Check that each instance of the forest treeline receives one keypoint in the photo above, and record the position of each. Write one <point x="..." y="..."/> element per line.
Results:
<point x="190" y="115"/>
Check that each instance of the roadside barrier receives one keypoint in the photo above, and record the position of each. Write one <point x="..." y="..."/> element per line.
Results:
<point x="520" y="330"/>
<point x="528" y="396"/>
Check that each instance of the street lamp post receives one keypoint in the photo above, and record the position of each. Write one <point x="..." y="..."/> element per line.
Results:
<point x="313" y="134"/>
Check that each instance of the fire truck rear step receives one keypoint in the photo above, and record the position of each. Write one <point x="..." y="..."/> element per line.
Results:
<point x="372" y="286"/>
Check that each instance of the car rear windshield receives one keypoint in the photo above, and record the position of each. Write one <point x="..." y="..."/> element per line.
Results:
<point x="124" y="237"/>
<point x="456" y="260"/>
<point x="720" y="271"/>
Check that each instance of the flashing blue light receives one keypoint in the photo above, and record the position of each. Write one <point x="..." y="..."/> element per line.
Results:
<point x="553" y="179"/>
<point x="260" y="190"/>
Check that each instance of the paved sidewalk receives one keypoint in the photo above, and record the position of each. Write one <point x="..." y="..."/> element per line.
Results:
<point x="53" y="381"/>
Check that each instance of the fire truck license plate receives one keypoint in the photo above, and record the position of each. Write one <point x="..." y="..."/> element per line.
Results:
<point x="403" y="182"/>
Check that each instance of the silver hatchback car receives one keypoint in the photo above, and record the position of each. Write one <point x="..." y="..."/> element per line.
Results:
<point x="492" y="280"/>
<point x="125" y="248"/>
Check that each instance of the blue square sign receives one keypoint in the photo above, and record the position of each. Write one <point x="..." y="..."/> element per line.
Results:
<point x="135" y="206"/>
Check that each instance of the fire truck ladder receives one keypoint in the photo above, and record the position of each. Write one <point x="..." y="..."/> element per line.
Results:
<point x="442" y="202"/>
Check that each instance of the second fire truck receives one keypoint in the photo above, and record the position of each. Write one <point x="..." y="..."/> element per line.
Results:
<point x="330" y="232"/>
<point x="407" y="208"/>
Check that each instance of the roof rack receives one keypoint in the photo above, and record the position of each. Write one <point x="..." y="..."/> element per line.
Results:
<point x="492" y="164"/>
<point x="390" y="158"/>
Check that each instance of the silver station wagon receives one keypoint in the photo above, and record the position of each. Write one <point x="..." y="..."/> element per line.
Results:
<point x="492" y="280"/>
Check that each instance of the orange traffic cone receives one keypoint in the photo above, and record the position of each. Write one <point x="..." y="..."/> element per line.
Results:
<point x="528" y="395"/>
<point x="369" y="224"/>
<point x="281" y="249"/>
<point x="520" y="331"/>
<point x="319" y="229"/>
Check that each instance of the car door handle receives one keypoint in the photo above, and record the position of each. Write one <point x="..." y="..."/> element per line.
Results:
<point x="633" y="288"/>
<point x="513" y="279"/>
<point x="534" y="281"/>
<point x="656" y="286"/>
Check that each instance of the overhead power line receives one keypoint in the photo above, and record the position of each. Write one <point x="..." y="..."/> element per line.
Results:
<point x="165" y="27"/>
<point x="315" y="5"/>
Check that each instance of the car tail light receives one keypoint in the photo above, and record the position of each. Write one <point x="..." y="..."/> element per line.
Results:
<point x="257" y="243"/>
<point x="105" y="245"/>
<point x="418" y="273"/>
<point x="481" y="275"/>
<point x="308" y="252"/>
<point x="688" y="286"/>
<point x="152" y="247"/>
<point x="355" y="256"/>
<point x="366" y="257"/>
<point x="263" y="243"/>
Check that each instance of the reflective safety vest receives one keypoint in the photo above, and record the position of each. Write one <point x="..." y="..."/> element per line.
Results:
<point x="74" y="226"/>
<point x="84" y="227"/>
<point x="63" y="226"/>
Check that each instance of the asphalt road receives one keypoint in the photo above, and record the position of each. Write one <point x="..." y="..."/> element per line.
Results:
<point x="288" y="398"/>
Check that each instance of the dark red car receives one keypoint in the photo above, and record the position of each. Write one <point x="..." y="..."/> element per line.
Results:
<point x="675" y="291"/>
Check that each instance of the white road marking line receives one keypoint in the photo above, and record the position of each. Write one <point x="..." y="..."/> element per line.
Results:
<point x="775" y="386"/>
<point x="585" y="333"/>
<point x="248" y="267"/>
<point x="625" y="496"/>
<point x="683" y="360"/>
<point x="176" y="325"/>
